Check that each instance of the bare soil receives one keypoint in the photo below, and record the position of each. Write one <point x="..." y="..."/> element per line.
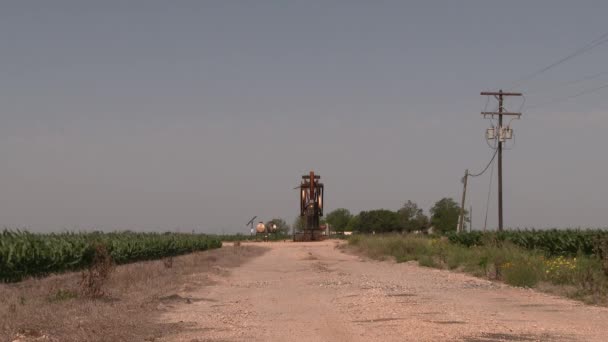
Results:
<point x="56" y="308"/>
<point x="317" y="292"/>
<point x="284" y="291"/>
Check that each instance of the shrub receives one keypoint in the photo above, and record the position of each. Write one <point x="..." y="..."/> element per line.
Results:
<point x="427" y="261"/>
<point x="95" y="277"/>
<point x="523" y="271"/>
<point x="497" y="257"/>
<point x="560" y="270"/>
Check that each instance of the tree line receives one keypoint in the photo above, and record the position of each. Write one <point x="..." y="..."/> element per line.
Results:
<point x="443" y="218"/>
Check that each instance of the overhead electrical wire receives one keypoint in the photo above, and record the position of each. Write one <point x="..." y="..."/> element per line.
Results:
<point x="486" y="168"/>
<point x="535" y="93"/>
<point x="570" y="97"/>
<point x="485" y="222"/>
<point x="521" y="106"/>
<point x="588" y="47"/>
<point x="512" y="146"/>
<point x="491" y="163"/>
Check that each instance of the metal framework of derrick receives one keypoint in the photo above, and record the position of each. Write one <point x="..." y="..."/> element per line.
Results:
<point x="311" y="208"/>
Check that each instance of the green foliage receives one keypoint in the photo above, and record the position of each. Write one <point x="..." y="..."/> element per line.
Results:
<point x="24" y="254"/>
<point x="552" y="242"/>
<point x="521" y="269"/>
<point x="379" y="221"/>
<point x="467" y="239"/>
<point x="354" y="240"/>
<point x="339" y="219"/>
<point x="403" y="249"/>
<point x="427" y="261"/>
<point x="412" y="218"/>
<point x="560" y="270"/>
<point x="353" y="223"/>
<point x="444" y="215"/>
<point x="581" y="277"/>
<point x="282" y="226"/>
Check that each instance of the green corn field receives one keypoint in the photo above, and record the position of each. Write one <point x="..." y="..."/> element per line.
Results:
<point x="24" y="254"/>
<point x="554" y="242"/>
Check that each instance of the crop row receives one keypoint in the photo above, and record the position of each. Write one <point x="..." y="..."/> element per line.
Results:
<point x="24" y="254"/>
<point x="553" y="242"/>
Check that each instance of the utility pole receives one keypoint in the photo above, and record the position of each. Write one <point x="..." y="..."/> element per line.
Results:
<point x="504" y="133"/>
<point x="464" y="195"/>
<point x="471" y="219"/>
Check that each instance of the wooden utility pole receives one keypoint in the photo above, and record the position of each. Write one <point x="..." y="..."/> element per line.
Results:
<point x="501" y="138"/>
<point x="464" y="195"/>
<point x="470" y="218"/>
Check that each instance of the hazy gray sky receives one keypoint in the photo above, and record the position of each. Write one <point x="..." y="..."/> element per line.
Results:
<point x="200" y="114"/>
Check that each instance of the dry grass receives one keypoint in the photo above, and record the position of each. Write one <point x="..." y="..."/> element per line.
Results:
<point x="55" y="309"/>
<point x="582" y="278"/>
<point x="97" y="275"/>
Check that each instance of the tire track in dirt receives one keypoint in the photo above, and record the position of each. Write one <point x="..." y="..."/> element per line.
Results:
<point x="316" y="292"/>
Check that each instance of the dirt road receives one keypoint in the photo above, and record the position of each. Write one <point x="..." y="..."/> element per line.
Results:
<point x="315" y="292"/>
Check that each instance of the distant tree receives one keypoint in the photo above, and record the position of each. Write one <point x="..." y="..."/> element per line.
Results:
<point x="353" y="224"/>
<point x="412" y="218"/>
<point x="339" y="219"/>
<point x="444" y="215"/>
<point x="323" y="221"/>
<point x="282" y="226"/>
<point x="379" y="221"/>
<point x="422" y="221"/>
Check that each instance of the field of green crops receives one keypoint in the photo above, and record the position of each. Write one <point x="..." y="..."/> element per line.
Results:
<point x="24" y="254"/>
<point x="551" y="242"/>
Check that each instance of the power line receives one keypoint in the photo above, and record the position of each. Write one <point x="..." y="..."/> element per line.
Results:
<point x="504" y="134"/>
<point x="460" y="226"/>
<point x="523" y="103"/>
<point x="499" y="134"/>
<point x="563" y="99"/>
<point x="589" y="46"/>
<point x="485" y="222"/>
<point x="487" y="166"/>
<point x="567" y="83"/>
<point x="464" y="190"/>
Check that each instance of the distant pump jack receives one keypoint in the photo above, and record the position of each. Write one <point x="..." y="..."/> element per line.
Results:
<point x="311" y="208"/>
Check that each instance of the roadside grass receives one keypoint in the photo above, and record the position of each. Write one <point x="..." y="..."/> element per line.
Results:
<point x="582" y="277"/>
<point x="104" y="303"/>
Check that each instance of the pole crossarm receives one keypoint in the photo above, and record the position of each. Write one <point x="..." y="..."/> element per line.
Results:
<point x="499" y="95"/>
<point x="501" y="113"/>
<point x="496" y="93"/>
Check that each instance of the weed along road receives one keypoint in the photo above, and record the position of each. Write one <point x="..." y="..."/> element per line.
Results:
<point x="316" y="292"/>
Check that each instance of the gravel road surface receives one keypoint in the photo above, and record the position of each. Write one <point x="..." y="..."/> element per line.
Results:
<point x="316" y="292"/>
